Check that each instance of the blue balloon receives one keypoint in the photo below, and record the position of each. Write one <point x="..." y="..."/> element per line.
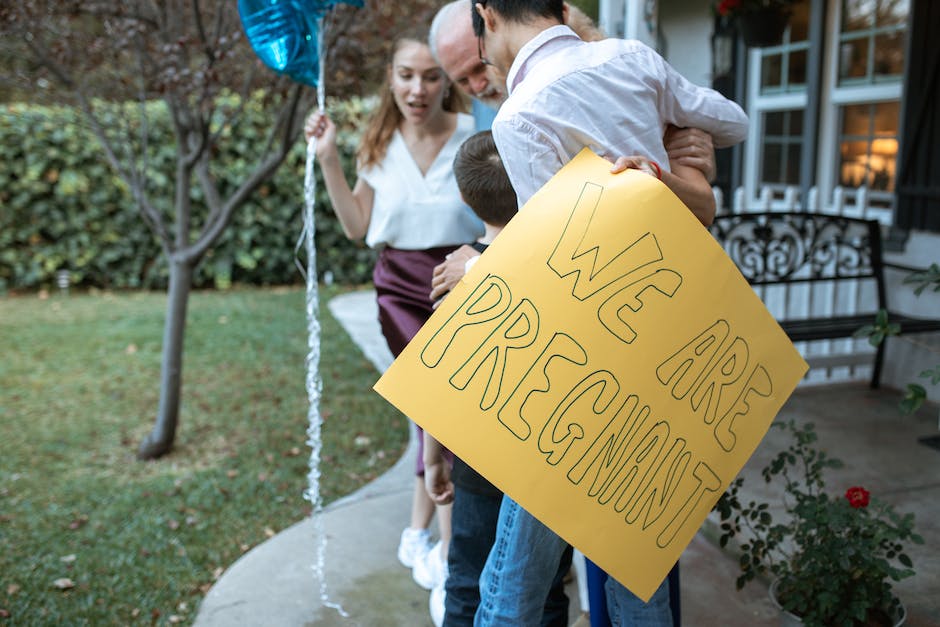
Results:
<point x="284" y="35"/>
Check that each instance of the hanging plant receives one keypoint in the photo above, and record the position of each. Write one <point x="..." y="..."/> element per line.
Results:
<point x="761" y="22"/>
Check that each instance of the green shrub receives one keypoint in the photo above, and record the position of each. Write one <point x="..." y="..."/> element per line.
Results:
<point x="62" y="207"/>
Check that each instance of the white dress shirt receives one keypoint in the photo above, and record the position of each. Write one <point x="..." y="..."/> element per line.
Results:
<point x="614" y="96"/>
<point x="414" y="211"/>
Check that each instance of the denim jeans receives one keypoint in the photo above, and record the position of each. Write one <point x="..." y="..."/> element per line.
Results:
<point x="526" y="563"/>
<point x="628" y="610"/>
<point x="473" y="528"/>
<point x="597" y="593"/>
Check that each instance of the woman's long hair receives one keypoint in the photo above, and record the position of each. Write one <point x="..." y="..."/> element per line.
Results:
<point x="387" y="117"/>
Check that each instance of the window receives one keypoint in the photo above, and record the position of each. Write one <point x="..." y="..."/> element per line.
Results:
<point x="871" y="41"/>
<point x="868" y="146"/>
<point x="777" y="97"/>
<point x="869" y="58"/>
<point x="781" y="146"/>
<point x="857" y="113"/>
<point x="783" y="67"/>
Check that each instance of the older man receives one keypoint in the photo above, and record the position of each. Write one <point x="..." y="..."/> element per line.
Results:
<point x="455" y="48"/>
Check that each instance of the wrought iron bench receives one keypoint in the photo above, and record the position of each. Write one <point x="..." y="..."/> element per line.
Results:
<point x="841" y="253"/>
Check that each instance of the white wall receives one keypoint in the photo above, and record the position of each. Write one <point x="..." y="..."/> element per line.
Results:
<point x="905" y="360"/>
<point x="679" y="29"/>
<point x="686" y="29"/>
<point x="611" y="15"/>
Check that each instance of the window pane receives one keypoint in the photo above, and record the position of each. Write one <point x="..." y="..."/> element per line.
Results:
<point x="889" y="54"/>
<point x="783" y="67"/>
<point x="797" y="73"/>
<point x="771" y="163"/>
<point x="773" y="123"/>
<point x="796" y="124"/>
<point x="886" y="118"/>
<point x="771" y="72"/>
<point x="856" y="120"/>
<point x="792" y="175"/>
<point x="892" y="12"/>
<point x="782" y="143"/>
<point x="858" y="15"/>
<point x="853" y="59"/>
<point x="882" y="174"/>
<point x="869" y="146"/>
<point x="853" y="171"/>
<point x="871" y="43"/>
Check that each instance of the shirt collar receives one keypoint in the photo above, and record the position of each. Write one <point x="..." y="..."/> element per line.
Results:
<point x="533" y="50"/>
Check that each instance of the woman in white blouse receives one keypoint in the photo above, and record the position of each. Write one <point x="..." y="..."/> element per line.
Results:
<point x="406" y="205"/>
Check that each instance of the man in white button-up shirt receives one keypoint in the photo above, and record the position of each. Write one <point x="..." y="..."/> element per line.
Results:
<point x="615" y="97"/>
<point x="455" y="47"/>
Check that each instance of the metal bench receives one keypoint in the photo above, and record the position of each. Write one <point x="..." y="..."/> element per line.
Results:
<point x="786" y="248"/>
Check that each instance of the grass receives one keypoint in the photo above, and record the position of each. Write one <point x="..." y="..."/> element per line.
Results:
<point x="91" y="536"/>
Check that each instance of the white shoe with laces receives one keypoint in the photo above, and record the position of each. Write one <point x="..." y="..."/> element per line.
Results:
<point x="414" y="546"/>
<point x="431" y="570"/>
<point x="436" y="604"/>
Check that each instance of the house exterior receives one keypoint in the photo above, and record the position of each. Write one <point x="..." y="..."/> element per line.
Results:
<point x="844" y="108"/>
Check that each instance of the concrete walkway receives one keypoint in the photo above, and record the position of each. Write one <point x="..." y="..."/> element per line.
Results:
<point x="274" y="583"/>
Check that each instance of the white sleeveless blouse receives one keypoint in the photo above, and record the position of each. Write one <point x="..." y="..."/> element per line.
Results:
<point x="412" y="211"/>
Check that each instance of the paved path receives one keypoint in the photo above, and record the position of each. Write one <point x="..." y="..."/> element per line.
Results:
<point x="274" y="583"/>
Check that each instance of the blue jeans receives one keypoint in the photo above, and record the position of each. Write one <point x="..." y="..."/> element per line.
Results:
<point x="597" y="594"/>
<point x="628" y="610"/>
<point x="473" y="529"/>
<point x="524" y="565"/>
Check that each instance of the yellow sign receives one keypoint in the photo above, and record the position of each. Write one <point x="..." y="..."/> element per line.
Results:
<point x="604" y="364"/>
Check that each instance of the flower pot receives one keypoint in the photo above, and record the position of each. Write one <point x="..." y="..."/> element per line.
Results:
<point x="764" y="27"/>
<point x="792" y="620"/>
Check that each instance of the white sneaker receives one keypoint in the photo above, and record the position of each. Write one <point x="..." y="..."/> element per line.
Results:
<point x="414" y="545"/>
<point x="436" y="604"/>
<point x="431" y="570"/>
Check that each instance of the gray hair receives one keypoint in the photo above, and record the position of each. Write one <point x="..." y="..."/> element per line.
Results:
<point x="444" y="15"/>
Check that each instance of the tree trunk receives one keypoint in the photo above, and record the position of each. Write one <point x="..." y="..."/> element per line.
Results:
<point x="160" y="439"/>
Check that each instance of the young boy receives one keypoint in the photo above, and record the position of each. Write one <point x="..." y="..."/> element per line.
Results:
<point x="484" y="186"/>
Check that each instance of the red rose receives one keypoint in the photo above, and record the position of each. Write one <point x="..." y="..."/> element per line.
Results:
<point x="857" y="496"/>
<point x="727" y="6"/>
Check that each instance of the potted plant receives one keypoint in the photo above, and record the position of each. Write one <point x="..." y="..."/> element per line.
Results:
<point x="761" y="22"/>
<point x="833" y="558"/>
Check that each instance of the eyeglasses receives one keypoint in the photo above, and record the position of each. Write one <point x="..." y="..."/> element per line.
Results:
<point x="480" y="29"/>
<point x="483" y="59"/>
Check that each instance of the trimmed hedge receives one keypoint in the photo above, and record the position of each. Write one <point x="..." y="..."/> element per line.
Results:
<point x="62" y="208"/>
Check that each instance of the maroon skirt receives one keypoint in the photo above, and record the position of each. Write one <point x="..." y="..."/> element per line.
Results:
<point x="402" y="281"/>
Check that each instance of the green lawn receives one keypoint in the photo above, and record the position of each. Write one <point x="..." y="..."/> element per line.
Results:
<point x="134" y="542"/>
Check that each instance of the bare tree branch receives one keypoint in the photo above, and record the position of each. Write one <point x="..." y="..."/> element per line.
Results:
<point x="291" y="130"/>
<point x="153" y="217"/>
<point x="232" y="118"/>
<point x="206" y="44"/>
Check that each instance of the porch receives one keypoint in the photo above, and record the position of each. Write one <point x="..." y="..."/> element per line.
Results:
<point x="835" y="361"/>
